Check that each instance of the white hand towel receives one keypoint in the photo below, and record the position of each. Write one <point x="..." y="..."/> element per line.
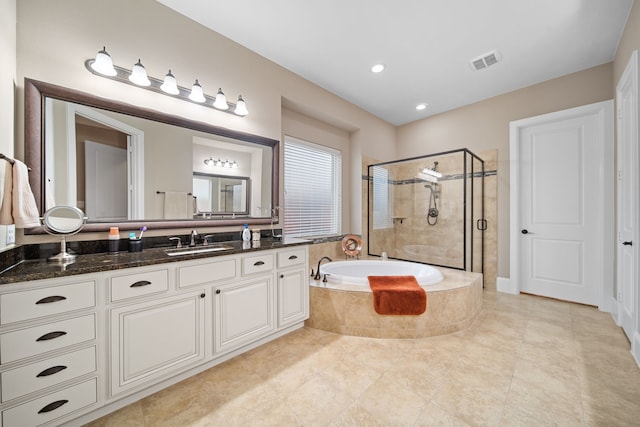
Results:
<point x="6" y="204"/>
<point x="176" y="205"/>
<point x="25" y="211"/>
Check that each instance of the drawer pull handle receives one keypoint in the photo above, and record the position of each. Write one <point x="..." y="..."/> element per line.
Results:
<point x="53" y="406"/>
<point x="292" y="257"/>
<point x="140" y="284"/>
<point x="51" y="336"/>
<point x="257" y="263"/>
<point x="52" y="370"/>
<point x="48" y="300"/>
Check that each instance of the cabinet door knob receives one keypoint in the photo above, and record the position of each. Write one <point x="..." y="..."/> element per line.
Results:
<point x="282" y="276"/>
<point x="49" y="300"/>
<point x="202" y="295"/>
<point x="217" y="291"/>
<point x="52" y="370"/>
<point x="51" y="336"/>
<point x="53" y="406"/>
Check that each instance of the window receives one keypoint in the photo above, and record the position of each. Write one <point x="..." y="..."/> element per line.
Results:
<point x="312" y="189"/>
<point x="382" y="199"/>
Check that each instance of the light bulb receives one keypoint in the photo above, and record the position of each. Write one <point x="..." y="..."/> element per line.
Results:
<point x="139" y="75"/>
<point x="241" y="107"/>
<point x="103" y="64"/>
<point x="221" y="101"/>
<point x="196" y="94"/>
<point x="170" y="85"/>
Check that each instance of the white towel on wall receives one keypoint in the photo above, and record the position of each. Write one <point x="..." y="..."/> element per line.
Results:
<point x="176" y="204"/>
<point x="25" y="211"/>
<point x="18" y="204"/>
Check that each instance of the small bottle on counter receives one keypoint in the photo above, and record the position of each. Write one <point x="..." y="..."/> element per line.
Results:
<point x="255" y="235"/>
<point x="114" y="240"/>
<point x="246" y="233"/>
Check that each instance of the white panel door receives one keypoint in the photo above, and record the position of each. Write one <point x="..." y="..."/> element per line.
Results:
<point x="627" y="101"/>
<point x="559" y="208"/>
<point x="106" y="190"/>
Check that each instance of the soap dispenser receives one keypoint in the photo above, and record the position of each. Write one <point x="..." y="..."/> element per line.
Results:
<point x="246" y="233"/>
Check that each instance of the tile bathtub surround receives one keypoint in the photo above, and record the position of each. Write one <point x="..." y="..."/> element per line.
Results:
<point x="526" y="361"/>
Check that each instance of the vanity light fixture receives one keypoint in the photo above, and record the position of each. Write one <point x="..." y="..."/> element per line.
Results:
<point x="223" y="164"/>
<point x="139" y="75"/>
<point x="170" y="85"/>
<point x="197" y="95"/>
<point x="102" y="65"/>
<point x="221" y="101"/>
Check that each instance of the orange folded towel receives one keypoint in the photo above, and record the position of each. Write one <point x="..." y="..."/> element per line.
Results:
<point x="399" y="295"/>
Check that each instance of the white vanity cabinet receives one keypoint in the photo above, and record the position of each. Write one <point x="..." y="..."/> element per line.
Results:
<point x="48" y="350"/>
<point x="157" y="331"/>
<point x="293" y="286"/>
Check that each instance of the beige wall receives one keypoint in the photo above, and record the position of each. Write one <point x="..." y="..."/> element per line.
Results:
<point x="7" y="85"/>
<point x="163" y="39"/>
<point x="629" y="41"/>
<point x="485" y="125"/>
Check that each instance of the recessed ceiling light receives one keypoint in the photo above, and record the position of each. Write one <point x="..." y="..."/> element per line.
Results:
<point x="421" y="107"/>
<point x="378" y="68"/>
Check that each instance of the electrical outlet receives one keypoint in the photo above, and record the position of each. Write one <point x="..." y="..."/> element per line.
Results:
<point x="11" y="234"/>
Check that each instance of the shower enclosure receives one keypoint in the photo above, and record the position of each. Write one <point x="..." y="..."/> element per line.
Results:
<point x="429" y="209"/>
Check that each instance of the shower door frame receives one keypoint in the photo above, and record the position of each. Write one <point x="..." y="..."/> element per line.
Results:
<point x="466" y="175"/>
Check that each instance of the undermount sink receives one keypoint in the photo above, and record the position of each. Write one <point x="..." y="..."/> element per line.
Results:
<point x="198" y="250"/>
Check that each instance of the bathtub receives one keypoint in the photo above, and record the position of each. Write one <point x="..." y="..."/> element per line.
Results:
<point x="356" y="272"/>
<point x="344" y="304"/>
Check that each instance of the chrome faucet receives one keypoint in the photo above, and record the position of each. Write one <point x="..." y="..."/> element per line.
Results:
<point x="194" y="235"/>
<point x="317" y="276"/>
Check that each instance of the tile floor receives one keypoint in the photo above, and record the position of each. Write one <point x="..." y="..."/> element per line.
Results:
<point x="526" y="361"/>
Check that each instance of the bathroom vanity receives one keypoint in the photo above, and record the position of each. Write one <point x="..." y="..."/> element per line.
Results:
<point x="79" y="342"/>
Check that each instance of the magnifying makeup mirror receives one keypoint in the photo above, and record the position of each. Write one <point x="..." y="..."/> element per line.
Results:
<point x="63" y="221"/>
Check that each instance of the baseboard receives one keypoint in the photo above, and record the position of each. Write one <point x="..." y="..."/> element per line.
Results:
<point x="503" y="284"/>
<point x="635" y="348"/>
<point x="613" y="306"/>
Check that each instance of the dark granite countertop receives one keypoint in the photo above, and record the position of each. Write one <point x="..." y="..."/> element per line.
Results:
<point x="29" y="270"/>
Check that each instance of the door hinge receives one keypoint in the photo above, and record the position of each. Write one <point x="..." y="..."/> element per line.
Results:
<point x="620" y="174"/>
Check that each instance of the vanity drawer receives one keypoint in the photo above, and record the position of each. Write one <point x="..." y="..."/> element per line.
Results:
<point x="55" y="405"/>
<point x="257" y="264"/>
<point x="292" y="257"/>
<point x="51" y="336"/>
<point x="25" y="305"/>
<point x="140" y="284"/>
<point x="37" y="376"/>
<point x="211" y="271"/>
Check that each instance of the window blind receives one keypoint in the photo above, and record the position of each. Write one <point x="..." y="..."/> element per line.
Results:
<point x="382" y="199"/>
<point x="312" y="189"/>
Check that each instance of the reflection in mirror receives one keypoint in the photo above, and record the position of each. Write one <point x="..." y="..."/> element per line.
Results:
<point x="63" y="221"/>
<point x="126" y="165"/>
<point x="220" y="195"/>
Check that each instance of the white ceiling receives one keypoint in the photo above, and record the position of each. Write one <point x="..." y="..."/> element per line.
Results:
<point x="426" y="45"/>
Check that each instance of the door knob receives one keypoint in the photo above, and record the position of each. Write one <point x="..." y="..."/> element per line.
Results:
<point x="628" y="243"/>
<point x="525" y="231"/>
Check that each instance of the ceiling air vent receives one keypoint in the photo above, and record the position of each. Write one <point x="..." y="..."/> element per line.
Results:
<point x="485" y="60"/>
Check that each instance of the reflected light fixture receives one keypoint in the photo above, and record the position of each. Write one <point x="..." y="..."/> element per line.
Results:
<point x="221" y="101"/>
<point x="103" y="63"/>
<point x="170" y="85"/>
<point x="378" y="68"/>
<point x="422" y="106"/>
<point x="197" y="95"/>
<point x="139" y="75"/>
<point x="223" y="164"/>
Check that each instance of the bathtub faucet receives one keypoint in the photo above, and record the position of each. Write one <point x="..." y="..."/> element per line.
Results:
<point x="317" y="276"/>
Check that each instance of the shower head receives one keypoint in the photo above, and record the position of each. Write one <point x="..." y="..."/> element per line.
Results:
<point x="430" y="177"/>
